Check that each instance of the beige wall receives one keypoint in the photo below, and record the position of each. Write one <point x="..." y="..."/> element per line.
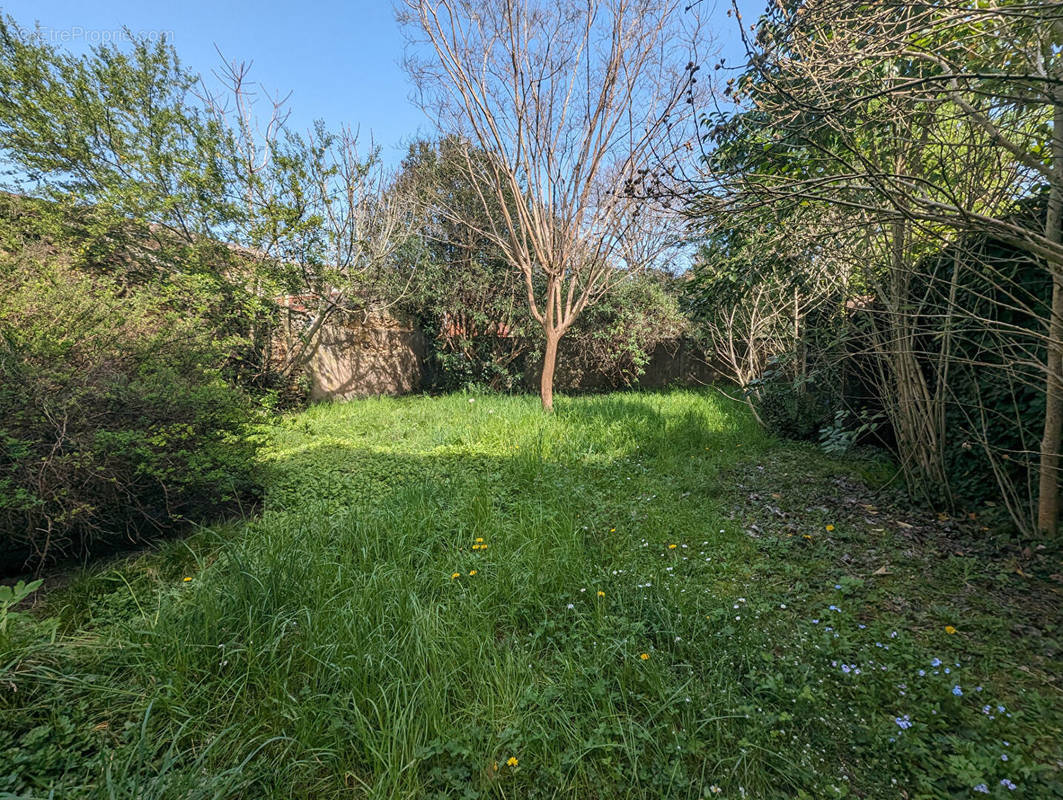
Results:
<point x="356" y="358"/>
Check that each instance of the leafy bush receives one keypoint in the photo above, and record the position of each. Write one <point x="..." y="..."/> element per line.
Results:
<point x="846" y="430"/>
<point x="115" y="422"/>
<point x="471" y="304"/>
<point x="996" y="399"/>
<point x="612" y="341"/>
<point x="792" y="407"/>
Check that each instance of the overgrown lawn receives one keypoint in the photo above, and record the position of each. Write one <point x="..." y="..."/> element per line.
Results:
<point x="639" y="596"/>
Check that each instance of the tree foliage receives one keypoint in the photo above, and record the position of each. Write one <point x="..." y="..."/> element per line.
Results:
<point x="911" y="130"/>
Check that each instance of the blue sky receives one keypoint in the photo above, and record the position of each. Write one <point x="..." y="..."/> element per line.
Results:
<point x="340" y="60"/>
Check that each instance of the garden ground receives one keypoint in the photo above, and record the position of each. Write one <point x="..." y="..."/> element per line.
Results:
<point x="641" y="595"/>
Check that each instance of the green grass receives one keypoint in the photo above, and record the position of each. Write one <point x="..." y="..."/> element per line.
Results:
<point x="326" y="649"/>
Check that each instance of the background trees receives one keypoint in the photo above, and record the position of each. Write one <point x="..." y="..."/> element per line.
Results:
<point x="469" y="299"/>
<point x="472" y="302"/>
<point x="318" y="215"/>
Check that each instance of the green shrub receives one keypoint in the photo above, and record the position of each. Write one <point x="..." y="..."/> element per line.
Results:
<point x="793" y="407"/>
<point x="612" y="341"/>
<point x="996" y="398"/>
<point x="115" y="423"/>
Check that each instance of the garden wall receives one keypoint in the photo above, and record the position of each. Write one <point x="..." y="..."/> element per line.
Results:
<point x="384" y="355"/>
<point x="679" y="362"/>
<point x="357" y="355"/>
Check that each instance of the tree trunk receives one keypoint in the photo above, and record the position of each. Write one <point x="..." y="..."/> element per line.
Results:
<point x="1048" y="477"/>
<point x="546" y="383"/>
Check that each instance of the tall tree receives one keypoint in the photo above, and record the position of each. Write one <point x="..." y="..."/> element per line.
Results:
<point x="575" y="103"/>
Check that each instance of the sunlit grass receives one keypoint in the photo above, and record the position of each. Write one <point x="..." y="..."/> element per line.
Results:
<point x="462" y="597"/>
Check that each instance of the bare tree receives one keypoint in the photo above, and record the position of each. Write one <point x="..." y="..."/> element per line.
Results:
<point x="575" y="102"/>
<point x="756" y="282"/>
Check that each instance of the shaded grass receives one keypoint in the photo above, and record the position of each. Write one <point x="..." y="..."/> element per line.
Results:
<point x="326" y="649"/>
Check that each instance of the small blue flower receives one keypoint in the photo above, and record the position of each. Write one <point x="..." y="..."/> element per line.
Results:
<point x="1008" y="784"/>
<point x="956" y="690"/>
<point x="922" y="673"/>
<point x="936" y="662"/>
<point x="904" y="723"/>
<point x="1003" y="756"/>
<point x="982" y="788"/>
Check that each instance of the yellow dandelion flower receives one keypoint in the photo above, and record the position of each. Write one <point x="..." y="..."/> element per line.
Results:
<point x="644" y="656"/>
<point x="612" y="530"/>
<point x="830" y="528"/>
<point x="601" y="593"/>
<point x="672" y="546"/>
<point x="479" y="539"/>
<point x="950" y="630"/>
<point x="808" y="537"/>
<point x="512" y="761"/>
<point x="455" y="575"/>
<point x="483" y="547"/>
<point x="472" y="572"/>
<point x="186" y="580"/>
